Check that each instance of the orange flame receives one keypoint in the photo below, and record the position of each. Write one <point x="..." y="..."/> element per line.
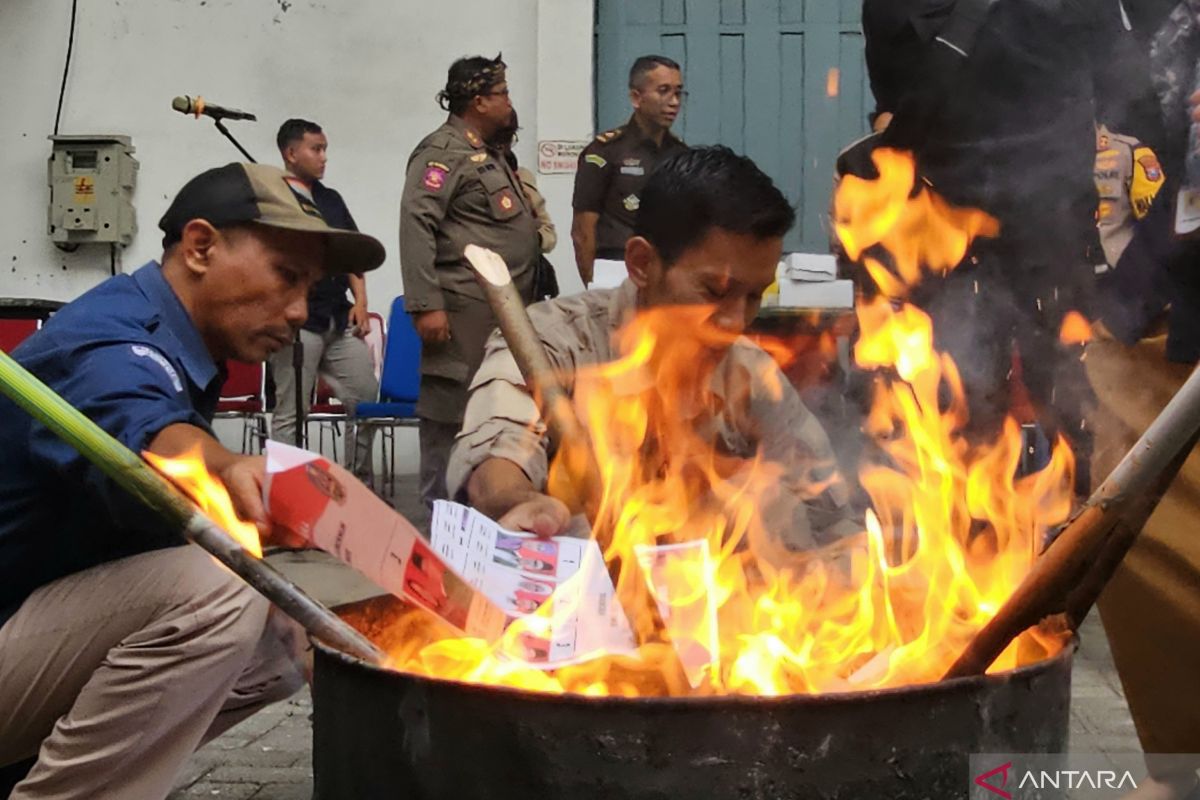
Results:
<point x="950" y="533"/>
<point x="1075" y="329"/>
<point x="189" y="473"/>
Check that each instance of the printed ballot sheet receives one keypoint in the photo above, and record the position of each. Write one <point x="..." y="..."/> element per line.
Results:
<point x="559" y="586"/>
<point x="677" y="576"/>
<point x="326" y="505"/>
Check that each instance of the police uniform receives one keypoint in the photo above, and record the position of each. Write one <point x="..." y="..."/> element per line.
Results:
<point x="612" y="171"/>
<point x="1128" y="177"/>
<point x="768" y="420"/>
<point x="457" y="192"/>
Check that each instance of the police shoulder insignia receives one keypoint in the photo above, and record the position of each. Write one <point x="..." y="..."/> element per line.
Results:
<point x="473" y="138"/>
<point x="479" y="158"/>
<point x="608" y="136"/>
<point x="598" y="161"/>
<point x="438" y="165"/>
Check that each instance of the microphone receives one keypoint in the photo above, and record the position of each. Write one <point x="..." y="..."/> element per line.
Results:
<point x="197" y="106"/>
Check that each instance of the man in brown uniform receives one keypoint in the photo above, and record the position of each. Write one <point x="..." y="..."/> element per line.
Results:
<point x="458" y="191"/>
<point x="614" y="168"/>
<point x="721" y="253"/>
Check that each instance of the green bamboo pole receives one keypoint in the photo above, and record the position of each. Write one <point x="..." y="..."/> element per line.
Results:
<point x="134" y="475"/>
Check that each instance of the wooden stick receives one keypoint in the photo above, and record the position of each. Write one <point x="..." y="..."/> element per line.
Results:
<point x="134" y="475"/>
<point x="1061" y="579"/>
<point x="566" y="432"/>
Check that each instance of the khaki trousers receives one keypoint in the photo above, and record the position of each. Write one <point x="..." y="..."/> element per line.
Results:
<point x="344" y="361"/>
<point x="1151" y="609"/>
<point x="113" y="676"/>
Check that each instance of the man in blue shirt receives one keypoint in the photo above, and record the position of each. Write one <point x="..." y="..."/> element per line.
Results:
<point x="332" y="338"/>
<point x="122" y="649"/>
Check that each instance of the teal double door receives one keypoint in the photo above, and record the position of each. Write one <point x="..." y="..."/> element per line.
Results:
<point x="782" y="81"/>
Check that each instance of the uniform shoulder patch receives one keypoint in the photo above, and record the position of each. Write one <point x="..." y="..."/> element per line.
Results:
<point x="435" y="176"/>
<point x="596" y="160"/>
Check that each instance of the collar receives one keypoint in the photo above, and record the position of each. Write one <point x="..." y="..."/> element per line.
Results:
<point x="196" y="360"/>
<point x="469" y="133"/>
<point x="622" y="305"/>
<point x="641" y="135"/>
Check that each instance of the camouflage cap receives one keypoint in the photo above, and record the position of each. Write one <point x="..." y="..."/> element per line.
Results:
<point x="240" y="193"/>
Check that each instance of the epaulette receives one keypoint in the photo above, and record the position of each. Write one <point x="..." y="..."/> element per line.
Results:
<point x="610" y="136"/>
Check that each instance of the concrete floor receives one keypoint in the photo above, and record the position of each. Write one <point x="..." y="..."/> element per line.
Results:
<point x="269" y="756"/>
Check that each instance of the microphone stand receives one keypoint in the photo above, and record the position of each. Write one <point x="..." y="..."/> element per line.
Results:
<point x="297" y="345"/>
<point x="225" y="132"/>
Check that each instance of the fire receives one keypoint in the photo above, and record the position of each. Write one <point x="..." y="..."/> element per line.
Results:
<point x="718" y="603"/>
<point x="189" y="474"/>
<point x="1075" y="329"/>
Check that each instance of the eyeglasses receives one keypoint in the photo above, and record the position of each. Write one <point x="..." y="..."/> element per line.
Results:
<point x="669" y="92"/>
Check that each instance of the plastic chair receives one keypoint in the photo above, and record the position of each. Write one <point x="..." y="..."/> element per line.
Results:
<point x="328" y="413"/>
<point x="15" y="331"/>
<point x="398" y="386"/>
<point x="242" y="398"/>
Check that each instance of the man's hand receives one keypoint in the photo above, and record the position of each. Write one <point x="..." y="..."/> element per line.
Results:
<point x="433" y="326"/>
<point x="541" y="514"/>
<point x="360" y="319"/>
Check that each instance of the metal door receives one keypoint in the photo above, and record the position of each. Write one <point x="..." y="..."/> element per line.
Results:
<point x="783" y="81"/>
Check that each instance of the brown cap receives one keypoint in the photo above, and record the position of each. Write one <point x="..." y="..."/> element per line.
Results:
<point x="240" y="193"/>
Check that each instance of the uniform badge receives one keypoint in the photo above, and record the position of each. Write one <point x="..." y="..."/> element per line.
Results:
<point x="632" y="203"/>
<point x="473" y="138"/>
<point x="596" y="160"/>
<point x="435" y="177"/>
<point x="628" y="170"/>
<point x="506" y="200"/>
<point x="479" y="158"/>
<point x="1153" y="169"/>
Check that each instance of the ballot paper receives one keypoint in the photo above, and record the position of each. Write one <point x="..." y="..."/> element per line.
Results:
<point x="678" y="576"/>
<point x="560" y="587"/>
<point x="330" y="508"/>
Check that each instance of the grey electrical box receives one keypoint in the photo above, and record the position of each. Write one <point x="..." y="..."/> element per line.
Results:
<point x="91" y="190"/>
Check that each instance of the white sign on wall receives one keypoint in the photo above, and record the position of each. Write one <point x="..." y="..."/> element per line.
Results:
<point x="559" y="157"/>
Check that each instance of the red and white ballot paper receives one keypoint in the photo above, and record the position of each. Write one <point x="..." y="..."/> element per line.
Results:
<point x="474" y="575"/>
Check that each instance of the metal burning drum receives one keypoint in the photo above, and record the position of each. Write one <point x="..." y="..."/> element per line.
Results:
<point x="384" y="734"/>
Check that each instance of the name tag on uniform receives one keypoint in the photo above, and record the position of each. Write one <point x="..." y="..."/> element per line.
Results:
<point x="633" y="170"/>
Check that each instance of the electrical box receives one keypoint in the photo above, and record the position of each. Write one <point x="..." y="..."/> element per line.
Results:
<point x="91" y="190"/>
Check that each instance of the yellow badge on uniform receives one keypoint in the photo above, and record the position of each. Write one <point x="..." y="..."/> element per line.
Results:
<point x="506" y="200"/>
<point x="592" y="158"/>
<point x="632" y="202"/>
<point x="479" y="158"/>
<point x="473" y="138"/>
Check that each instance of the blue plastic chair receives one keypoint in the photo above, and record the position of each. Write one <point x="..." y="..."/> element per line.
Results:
<point x="398" y="386"/>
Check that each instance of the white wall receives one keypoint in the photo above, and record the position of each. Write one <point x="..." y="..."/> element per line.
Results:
<point x="366" y="70"/>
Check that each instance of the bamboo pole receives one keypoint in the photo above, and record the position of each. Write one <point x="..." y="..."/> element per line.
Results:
<point x="1074" y="569"/>
<point x="566" y="432"/>
<point x="134" y="475"/>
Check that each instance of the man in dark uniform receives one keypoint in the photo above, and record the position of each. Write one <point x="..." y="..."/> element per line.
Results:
<point x="459" y="191"/>
<point x="332" y="337"/>
<point x="1001" y="118"/>
<point x="613" y="168"/>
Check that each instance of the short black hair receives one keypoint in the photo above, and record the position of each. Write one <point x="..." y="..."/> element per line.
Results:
<point x="647" y="64"/>
<point x="702" y="188"/>
<point x="469" y="77"/>
<point x="293" y="131"/>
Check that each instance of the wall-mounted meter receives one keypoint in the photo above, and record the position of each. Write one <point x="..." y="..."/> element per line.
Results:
<point x="91" y="190"/>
